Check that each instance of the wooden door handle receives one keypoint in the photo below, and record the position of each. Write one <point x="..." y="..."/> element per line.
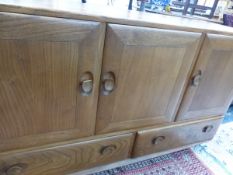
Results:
<point x="196" y="79"/>
<point x="108" y="83"/>
<point x="86" y="84"/>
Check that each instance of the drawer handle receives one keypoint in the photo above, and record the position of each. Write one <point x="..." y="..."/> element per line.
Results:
<point x="107" y="149"/>
<point x="158" y="140"/>
<point x="108" y="83"/>
<point x="207" y="128"/>
<point x="86" y="84"/>
<point x="197" y="78"/>
<point x="15" y="169"/>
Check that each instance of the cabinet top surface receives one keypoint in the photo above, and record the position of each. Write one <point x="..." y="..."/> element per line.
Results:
<point x="92" y="11"/>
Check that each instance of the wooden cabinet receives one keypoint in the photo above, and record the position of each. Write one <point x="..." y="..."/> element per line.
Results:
<point x="144" y="73"/>
<point x="64" y="82"/>
<point x="174" y="136"/>
<point x="211" y="87"/>
<point x="63" y="159"/>
<point x="49" y="76"/>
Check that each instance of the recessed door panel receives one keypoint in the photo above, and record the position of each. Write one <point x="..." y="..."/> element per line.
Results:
<point x="150" y="69"/>
<point x="212" y="91"/>
<point x="44" y="62"/>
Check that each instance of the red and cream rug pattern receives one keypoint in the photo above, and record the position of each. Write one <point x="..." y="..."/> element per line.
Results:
<point x="182" y="162"/>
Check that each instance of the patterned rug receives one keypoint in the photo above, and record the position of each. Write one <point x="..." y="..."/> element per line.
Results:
<point x="178" y="163"/>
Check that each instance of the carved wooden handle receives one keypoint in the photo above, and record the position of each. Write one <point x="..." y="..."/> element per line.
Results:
<point x="108" y="83"/>
<point x="158" y="140"/>
<point x="15" y="169"/>
<point x="207" y="128"/>
<point x="86" y="84"/>
<point x="107" y="149"/>
<point x="197" y="78"/>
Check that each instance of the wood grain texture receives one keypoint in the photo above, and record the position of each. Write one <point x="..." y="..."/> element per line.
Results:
<point x="67" y="158"/>
<point x="214" y="93"/>
<point x="42" y="60"/>
<point x="175" y="136"/>
<point x="94" y="12"/>
<point x="151" y="68"/>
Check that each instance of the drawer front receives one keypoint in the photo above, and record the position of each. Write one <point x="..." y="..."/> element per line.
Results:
<point x="169" y="137"/>
<point x="67" y="158"/>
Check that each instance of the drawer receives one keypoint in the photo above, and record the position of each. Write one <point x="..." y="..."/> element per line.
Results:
<point x="173" y="136"/>
<point x="67" y="158"/>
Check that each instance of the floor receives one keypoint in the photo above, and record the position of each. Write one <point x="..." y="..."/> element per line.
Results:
<point x="217" y="154"/>
<point x="229" y="115"/>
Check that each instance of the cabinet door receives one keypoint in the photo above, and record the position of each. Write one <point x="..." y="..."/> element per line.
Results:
<point x="211" y="86"/>
<point x="44" y="63"/>
<point x="144" y="73"/>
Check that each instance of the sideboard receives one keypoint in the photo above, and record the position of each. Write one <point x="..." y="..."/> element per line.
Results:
<point x="81" y="87"/>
